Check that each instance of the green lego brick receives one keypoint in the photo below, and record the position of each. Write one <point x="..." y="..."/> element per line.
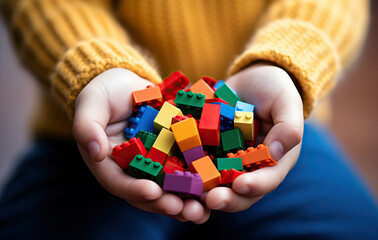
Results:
<point x="190" y="103"/>
<point x="141" y="167"/>
<point x="228" y="163"/>
<point x="147" y="138"/>
<point x="226" y="93"/>
<point x="232" y="140"/>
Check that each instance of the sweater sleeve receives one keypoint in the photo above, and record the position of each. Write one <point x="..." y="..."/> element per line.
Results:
<point x="313" y="40"/>
<point x="66" y="43"/>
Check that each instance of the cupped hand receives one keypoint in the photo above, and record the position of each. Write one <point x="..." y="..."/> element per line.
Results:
<point x="101" y="112"/>
<point x="278" y="106"/>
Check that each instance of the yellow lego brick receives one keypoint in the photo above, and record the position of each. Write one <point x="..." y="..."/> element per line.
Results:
<point x="164" y="117"/>
<point x="186" y="134"/>
<point x="244" y="121"/>
<point x="164" y="141"/>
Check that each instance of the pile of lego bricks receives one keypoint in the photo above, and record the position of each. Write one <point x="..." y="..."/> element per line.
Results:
<point x="190" y="140"/>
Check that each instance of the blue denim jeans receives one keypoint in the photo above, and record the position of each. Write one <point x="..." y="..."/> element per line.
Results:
<point x="53" y="195"/>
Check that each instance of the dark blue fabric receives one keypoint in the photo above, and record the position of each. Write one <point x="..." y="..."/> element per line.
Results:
<point x="54" y="196"/>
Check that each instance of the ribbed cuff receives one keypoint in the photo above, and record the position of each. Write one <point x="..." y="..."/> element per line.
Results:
<point x="88" y="59"/>
<point x="302" y="50"/>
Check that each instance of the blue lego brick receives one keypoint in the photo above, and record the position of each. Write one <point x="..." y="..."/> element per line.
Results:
<point x="219" y="84"/>
<point x="143" y="119"/>
<point x="227" y="115"/>
<point x="244" y="107"/>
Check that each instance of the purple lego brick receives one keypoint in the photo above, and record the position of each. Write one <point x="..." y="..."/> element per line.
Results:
<point x="193" y="154"/>
<point x="183" y="182"/>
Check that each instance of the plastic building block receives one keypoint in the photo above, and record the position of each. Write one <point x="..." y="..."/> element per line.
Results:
<point x="244" y="122"/>
<point x="186" y="134"/>
<point x="164" y="117"/>
<point x="183" y="182"/>
<point x="219" y="84"/>
<point x="165" y="141"/>
<point x="143" y="119"/>
<point x="258" y="156"/>
<point x="172" y="84"/>
<point x="227" y="113"/>
<point x="193" y="154"/>
<point x="125" y="152"/>
<point x="209" y="173"/>
<point x="216" y="100"/>
<point x="209" y="126"/>
<point x="244" y="107"/>
<point x="190" y="102"/>
<point x="232" y="140"/>
<point x="227" y="94"/>
<point x="172" y="164"/>
<point x="202" y="87"/>
<point x="157" y="156"/>
<point x="146" y="96"/>
<point x="147" y="138"/>
<point x="228" y="176"/>
<point x="228" y="163"/>
<point x="141" y="167"/>
<point x="210" y="81"/>
<point x="178" y="118"/>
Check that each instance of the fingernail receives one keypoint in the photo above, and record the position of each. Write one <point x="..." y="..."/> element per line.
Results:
<point x="276" y="150"/>
<point x="220" y="206"/>
<point x="243" y="190"/>
<point x="93" y="149"/>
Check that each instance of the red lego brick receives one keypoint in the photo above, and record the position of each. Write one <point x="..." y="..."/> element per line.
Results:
<point x="172" y="84"/>
<point x="151" y="96"/>
<point x="228" y="176"/>
<point x="210" y="81"/>
<point x="216" y="100"/>
<point x="172" y="164"/>
<point x="178" y="118"/>
<point x="125" y="152"/>
<point x="209" y="126"/>
<point x="157" y="156"/>
<point x="254" y="155"/>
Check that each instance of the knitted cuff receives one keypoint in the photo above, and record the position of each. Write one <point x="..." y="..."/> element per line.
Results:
<point x="88" y="59"/>
<point x="302" y="50"/>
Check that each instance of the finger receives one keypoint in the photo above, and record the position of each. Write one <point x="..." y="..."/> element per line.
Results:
<point x="91" y="117"/>
<point x="168" y="205"/>
<point x="287" y="130"/>
<point x="265" y="180"/>
<point x="193" y="210"/>
<point x="106" y="99"/>
<point x="224" y="199"/>
<point x="115" y="181"/>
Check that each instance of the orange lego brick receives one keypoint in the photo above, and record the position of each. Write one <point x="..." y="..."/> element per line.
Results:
<point x="202" y="87"/>
<point x="186" y="134"/>
<point x="208" y="172"/>
<point x="253" y="155"/>
<point x="146" y="96"/>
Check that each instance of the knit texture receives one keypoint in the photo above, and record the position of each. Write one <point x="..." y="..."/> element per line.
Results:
<point x="66" y="43"/>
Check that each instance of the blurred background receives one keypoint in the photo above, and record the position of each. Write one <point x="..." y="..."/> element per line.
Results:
<point x="354" y="103"/>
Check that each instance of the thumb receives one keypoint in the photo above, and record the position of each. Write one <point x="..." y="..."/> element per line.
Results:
<point x="90" y="120"/>
<point x="287" y="130"/>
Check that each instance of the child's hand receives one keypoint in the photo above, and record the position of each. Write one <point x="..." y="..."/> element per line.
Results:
<point x="278" y="106"/>
<point x="102" y="109"/>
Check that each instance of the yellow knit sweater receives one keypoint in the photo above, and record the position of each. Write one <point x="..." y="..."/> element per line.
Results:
<point x="66" y="43"/>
